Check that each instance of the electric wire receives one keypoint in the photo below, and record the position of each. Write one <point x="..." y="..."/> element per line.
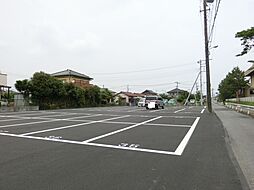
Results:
<point x="142" y="70"/>
<point x="214" y="19"/>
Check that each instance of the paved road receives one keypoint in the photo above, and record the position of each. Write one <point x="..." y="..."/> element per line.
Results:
<point x="117" y="148"/>
<point x="240" y="129"/>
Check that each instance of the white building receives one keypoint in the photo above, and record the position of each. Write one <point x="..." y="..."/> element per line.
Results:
<point x="3" y="79"/>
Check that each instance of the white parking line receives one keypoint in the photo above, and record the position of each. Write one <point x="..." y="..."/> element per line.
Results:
<point x="71" y="126"/>
<point x="29" y="123"/>
<point x="187" y="137"/>
<point x="202" y="111"/>
<point x="84" y="116"/>
<point x="147" y="124"/>
<point x="121" y="130"/>
<point x="179" y="110"/>
<point x="12" y="119"/>
<point x="132" y="149"/>
<point x="92" y="144"/>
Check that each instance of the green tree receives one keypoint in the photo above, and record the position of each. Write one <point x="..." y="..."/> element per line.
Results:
<point x="232" y="85"/>
<point x="247" y="38"/>
<point x="105" y="96"/>
<point x="23" y="86"/>
<point x="51" y="93"/>
<point x="183" y="96"/>
<point x="46" y="90"/>
<point x="165" y="96"/>
<point x="92" y="96"/>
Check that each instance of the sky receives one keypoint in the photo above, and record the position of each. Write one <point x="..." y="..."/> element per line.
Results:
<point x="121" y="44"/>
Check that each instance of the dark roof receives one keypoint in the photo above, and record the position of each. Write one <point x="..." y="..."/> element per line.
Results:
<point x="3" y="86"/>
<point x="175" y="90"/>
<point x="69" y="72"/>
<point x="149" y="92"/>
<point x="250" y="71"/>
<point x="130" y="94"/>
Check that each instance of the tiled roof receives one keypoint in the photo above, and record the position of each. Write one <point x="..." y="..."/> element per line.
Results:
<point x="175" y="90"/>
<point x="149" y="92"/>
<point x="69" y="72"/>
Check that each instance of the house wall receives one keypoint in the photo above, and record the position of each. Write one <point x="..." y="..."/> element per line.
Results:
<point x="3" y="79"/>
<point x="252" y="81"/>
<point x="83" y="83"/>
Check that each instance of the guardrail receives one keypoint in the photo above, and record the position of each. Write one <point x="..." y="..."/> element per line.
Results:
<point x="249" y="110"/>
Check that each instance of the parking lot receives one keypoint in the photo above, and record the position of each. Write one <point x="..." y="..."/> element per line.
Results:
<point x="126" y="128"/>
<point x="114" y="148"/>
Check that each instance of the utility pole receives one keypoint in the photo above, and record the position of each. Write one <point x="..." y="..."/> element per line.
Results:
<point x="195" y="95"/>
<point x="200" y="76"/>
<point x="177" y="83"/>
<point x="186" y="101"/>
<point x="208" y="84"/>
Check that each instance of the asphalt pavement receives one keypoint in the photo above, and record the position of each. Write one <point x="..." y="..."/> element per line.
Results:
<point x="119" y="148"/>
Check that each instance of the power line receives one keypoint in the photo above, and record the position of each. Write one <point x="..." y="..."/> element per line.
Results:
<point x="143" y="70"/>
<point x="215" y="16"/>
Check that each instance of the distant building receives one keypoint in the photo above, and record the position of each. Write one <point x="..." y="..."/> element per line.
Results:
<point x="149" y="92"/>
<point x="173" y="93"/>
<point x="3" y="85"/>
<point x="128" y="98"/>
<point x="70" y="76"/>
<point x="3" y="79"/>
<point x="250" y="73"/>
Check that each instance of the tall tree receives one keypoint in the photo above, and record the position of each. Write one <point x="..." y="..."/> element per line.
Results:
<point x="247" y="38"/>
<point x="232" y="85"/>
<point x="46" y="90"/>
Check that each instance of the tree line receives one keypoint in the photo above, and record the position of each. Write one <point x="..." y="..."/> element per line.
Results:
<point x="50" y="93"/>
<point x="234" y="84"/>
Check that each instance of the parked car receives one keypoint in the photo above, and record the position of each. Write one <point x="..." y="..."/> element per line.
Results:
<point x="172" y="102"/>
<point x="142" y="102"/>
<point x="155" y="102"/>
<point x="3" y="103"/>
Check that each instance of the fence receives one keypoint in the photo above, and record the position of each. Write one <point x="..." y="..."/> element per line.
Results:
<point x="21" y="105"/>
<point x="245" y="99"/>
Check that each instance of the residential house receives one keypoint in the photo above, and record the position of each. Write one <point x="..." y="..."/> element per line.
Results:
<point x="70" y="76"/>
<point x="175" y="92"/>
<point x="250" y="73"/>
<point x="149" y="93"/>
<point x="128" y="98"/>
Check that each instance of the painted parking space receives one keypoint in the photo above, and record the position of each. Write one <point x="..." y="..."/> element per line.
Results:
<point x="185" y="121"/>
<point x="126" y="128"/>
<point x="20" y="121"/>
<point x="44" y="125"/>
<point x="148" y="137"/>
<point x="81" y="132"/>
<point x="134" y="119"/>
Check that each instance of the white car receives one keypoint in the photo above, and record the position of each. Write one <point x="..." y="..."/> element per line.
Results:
<point x="3" y="103"/>
<point x="154" y="102"/>
<point x="142" y="102"/>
